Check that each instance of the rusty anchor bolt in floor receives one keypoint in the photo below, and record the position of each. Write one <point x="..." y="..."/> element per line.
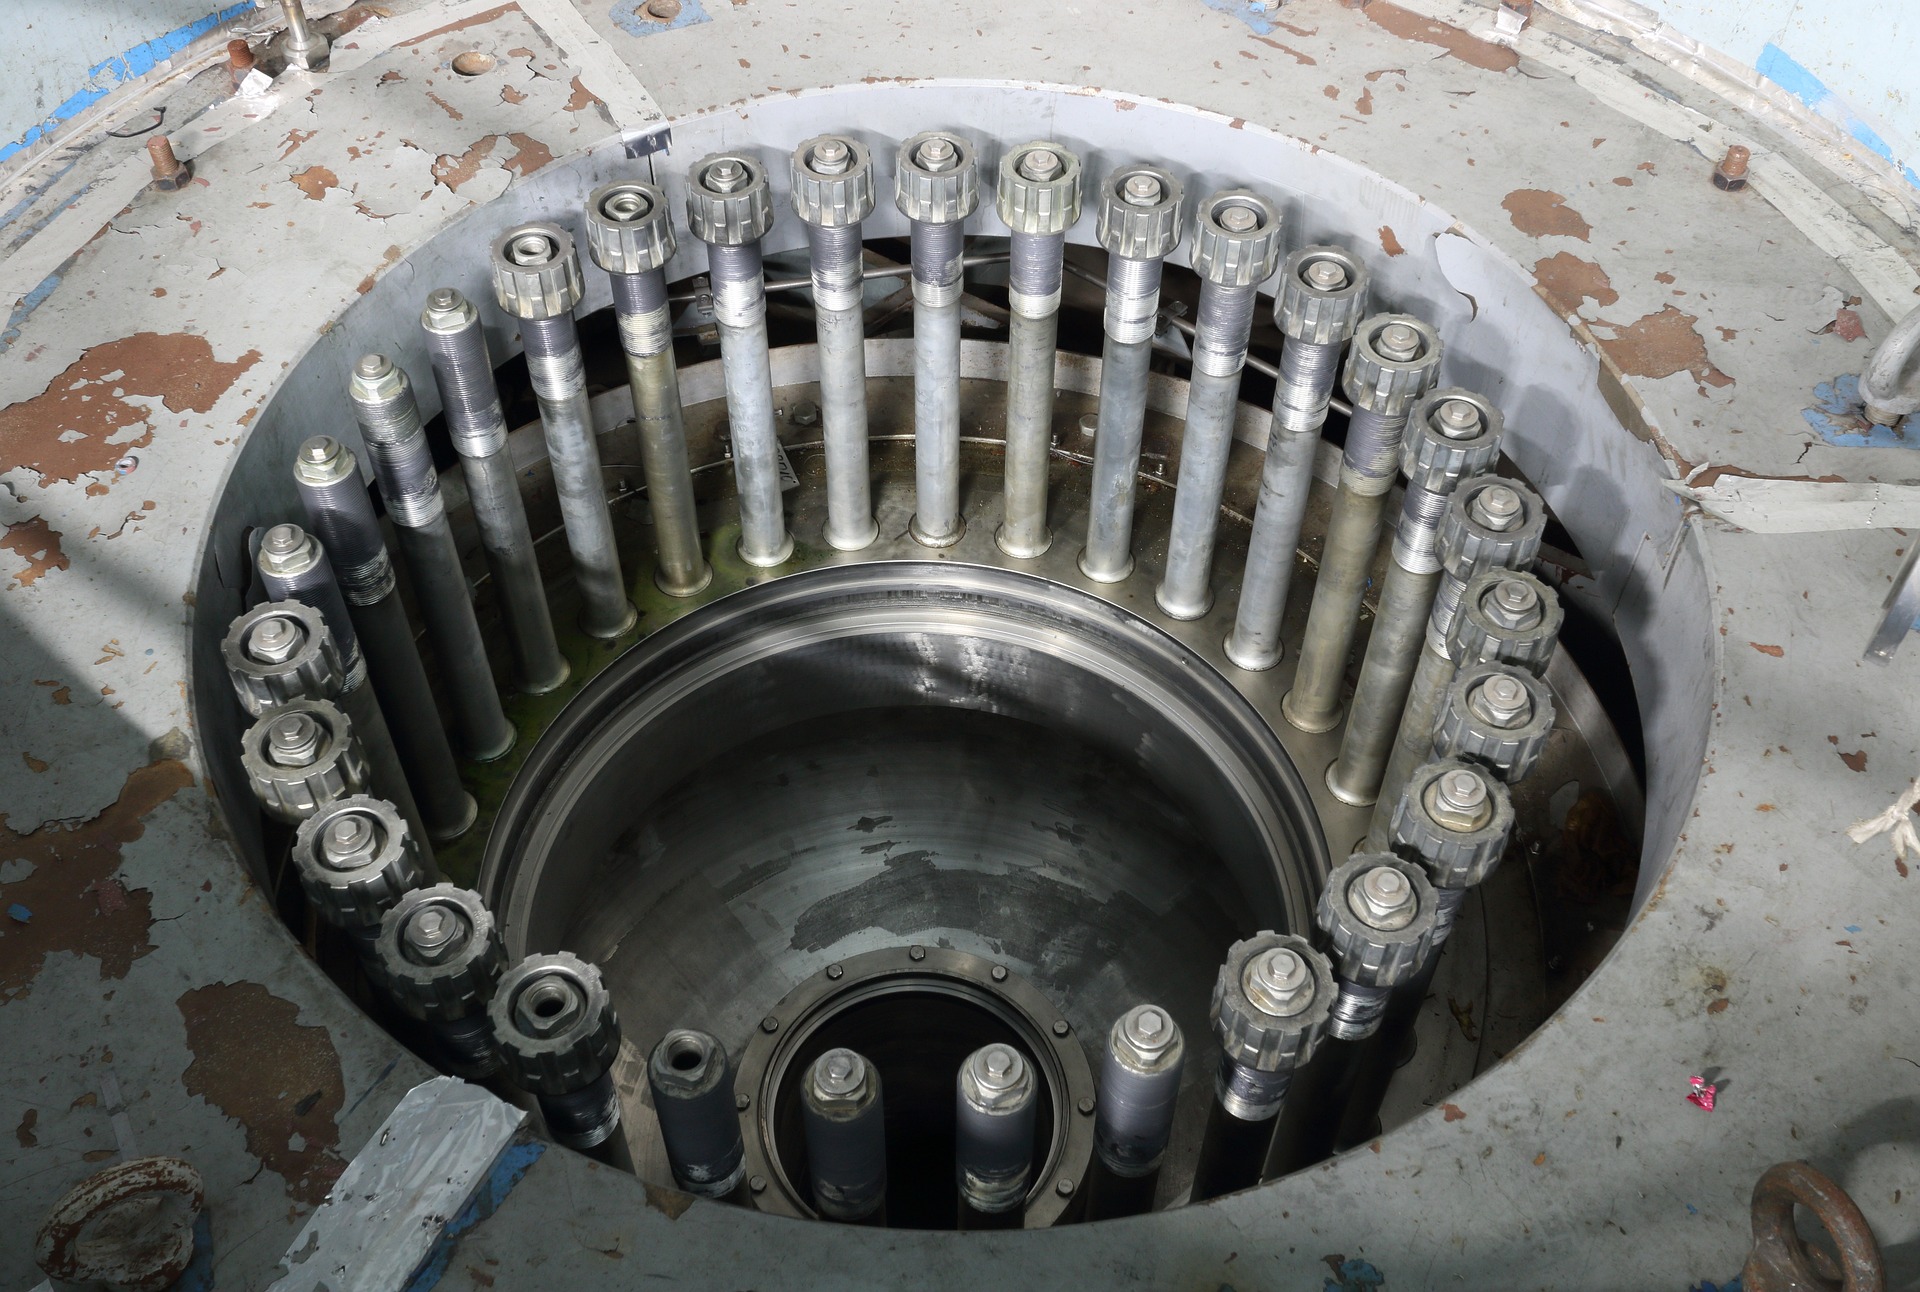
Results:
<point x="240" y="61"/>
<point x="170" y="174"/>
<point x="1731" y="173"/>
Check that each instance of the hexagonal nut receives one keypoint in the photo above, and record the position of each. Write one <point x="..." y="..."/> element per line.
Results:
<point x="536" y="273"/>
<point x="1437" y="452"/>
<point x="356" y="896"/>
<point x="1468" y="546"/>
<point x="937" y="196"/>
<point x="313" y="670"/>
<point x="452" y="989"/>
<point x="1381" y="384"/>
<point x="292" y="794"/>
<point x="1453" y="858"/>
<point x="1312" y="313"/>
<point x="732" y="216"/>
<point x="629" y="227"/>
<point x="1363" y="954"/>
<point x="1479" y="636"/>
<point x="1509" y="752"/>
<point x="573" y="1057"/>
<point x="1232" y="256"/>
<point x="1251" y="1036"/>
<point x="1141" y="232"/>
<point x="1039" y="206"/>
<point x="174" y="180"/>
<point x="838" y="199"/>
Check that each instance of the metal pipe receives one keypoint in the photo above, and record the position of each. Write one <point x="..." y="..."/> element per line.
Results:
<point x="1038" y="199"/>
<point x="630" y="235"/>
<point x="1322" y="293"/>
<point x="439" y="956"/>
<point x="730" y="208"/>
<point x="1393" y="362"/>
<point x="1453" y="819"/>
<point x="1236" y="247"/>
<point x="845" y="1120"/>
<point x="554" y="1025"/>
<point x="293" y="567"/>
<point x="1271" y="1004"/>
<point x="1490" y="524"/>
<point x="1140" y="223"/>
<point x="536" y="279"/>
<point x="338" y="507"/>
<point x="300" y="44"/>
<point x="692" y="1083"/>
<point x="936" y="186"/>
<point x="1133" y="1121"/>
<point x="995" y="1107"/>
<point x="833" y="192"/>
<point x="463" y="371"/>
<point x="389" y="421"/>
<point x="1452" y="434"/>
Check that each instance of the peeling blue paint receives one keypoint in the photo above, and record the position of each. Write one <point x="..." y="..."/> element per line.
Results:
<point x="626" y="16"/>
<point x="1355" y="1276"/>
<point x="1251" y="12"/>
<point x="1779" y="67"/>
<point x="508" y="1171"/>
<point x="104" y="77"/>
<point x="1838" y="417"/>
<point x="1706" y="1286"/>
<point x="28" y="304"/>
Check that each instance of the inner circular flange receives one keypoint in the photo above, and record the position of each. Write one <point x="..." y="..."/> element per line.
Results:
<point x="850" y="758"/>
<point x="915" y="1013"/>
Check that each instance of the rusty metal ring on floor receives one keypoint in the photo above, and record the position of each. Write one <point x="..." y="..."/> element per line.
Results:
<point x="129" y="1226"/>
<point x="1782" y="1262"/>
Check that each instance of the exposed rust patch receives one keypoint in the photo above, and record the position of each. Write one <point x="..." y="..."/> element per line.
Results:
<point x="1659" y="345"/>
<point x="1305" y="60"/>
<point x="1389" y="243"/>
<point x="24" y="1131"/>
<point x="366" y="284"/>
<point x="1767" y="649"/>
<point x="1537" y="213"/>
<point x="529" y="155"/>
<point x="294" y="139"/>
<point x="58" y="694"/>
<point x="35" y="765"/>
<point x="1364" y="104"/>
<point x="1847" y="325"/>
<point x="582" y="98"/>
<point x="280" y="1079"/>
<point x="446" y="107"/>
<point x="70" y="861"/>
<point x="471" y="20"/>
<point x="1456" y="41"/>
<point x="1452" y="1113"/>
<point x="314" y="181"/>
<point x="510" y="95"/>
<point x="670" y="1203"/>
<point x="1719" y="1006"/>
<point x="88" y="398"/>
<point x="38" y="544"/>
<point x="1569" y="280"/>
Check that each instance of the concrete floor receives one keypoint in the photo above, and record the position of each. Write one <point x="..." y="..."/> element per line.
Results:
<point x="156" y="1004"/>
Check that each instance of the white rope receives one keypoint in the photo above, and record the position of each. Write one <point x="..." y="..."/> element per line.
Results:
<point x="1897" y="820"/>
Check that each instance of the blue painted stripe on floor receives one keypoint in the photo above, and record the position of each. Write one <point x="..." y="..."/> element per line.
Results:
<point x="104" y="77"/>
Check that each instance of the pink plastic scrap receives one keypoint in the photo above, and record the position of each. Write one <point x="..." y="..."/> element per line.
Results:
<point x="1703" y="1092"/>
